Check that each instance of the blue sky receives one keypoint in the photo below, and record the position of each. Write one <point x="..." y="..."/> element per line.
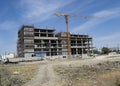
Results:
<point x="40" y="13"/>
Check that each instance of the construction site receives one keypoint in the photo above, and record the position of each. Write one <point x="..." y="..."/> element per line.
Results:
<point x="34" y="42"/>
<point x="60" y="43"/>
<point x="43" y="42"/>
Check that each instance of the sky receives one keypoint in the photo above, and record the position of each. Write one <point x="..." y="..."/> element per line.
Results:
<point x="104" y="28"/>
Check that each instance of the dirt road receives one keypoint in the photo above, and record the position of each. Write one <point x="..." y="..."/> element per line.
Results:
<point x="47" y="77"/>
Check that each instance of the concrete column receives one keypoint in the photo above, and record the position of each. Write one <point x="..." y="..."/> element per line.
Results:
<point x="92" y="47"/>
<point x="47" y="33"/>
<point x="88" y="50"/>
<point x="77" y="46"/>
<point x="50" y="47"/>
<point x="57" y="46"/>
<point x="82" y="45"/>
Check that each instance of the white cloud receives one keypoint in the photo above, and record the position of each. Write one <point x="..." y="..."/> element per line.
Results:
<point x="109" y="37"/>
<point x="108" y="40"/>
<point x="39" y="10"/>
<point x="105" y="16"/>
<point x="84" y="6"/>
<point x="8" y="25"/>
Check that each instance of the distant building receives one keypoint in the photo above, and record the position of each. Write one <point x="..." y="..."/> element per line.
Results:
<point x="9" y="55"/>
<point x="44" y="42"/>
<point x="0" y="57"/>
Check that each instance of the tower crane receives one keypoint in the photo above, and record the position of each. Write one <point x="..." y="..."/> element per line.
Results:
<point x="67" y="31"/>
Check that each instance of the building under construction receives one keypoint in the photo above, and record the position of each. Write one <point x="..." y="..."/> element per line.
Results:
<point x="34" y="42"/>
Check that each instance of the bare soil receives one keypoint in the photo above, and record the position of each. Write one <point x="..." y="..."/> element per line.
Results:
<point x="46" y="75"/>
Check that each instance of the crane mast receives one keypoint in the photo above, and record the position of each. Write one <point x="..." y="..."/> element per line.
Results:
<point x="68" y="37"/>
<point x="67" y="31"/>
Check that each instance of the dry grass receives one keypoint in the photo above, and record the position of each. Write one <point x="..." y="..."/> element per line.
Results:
<point x="110" y="79"/>
<point x="107" y="79"/>
<point x="90" y="76"/>
<point x="25" y="71"/>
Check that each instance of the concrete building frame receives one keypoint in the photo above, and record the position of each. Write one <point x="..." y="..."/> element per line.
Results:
<point x="33" y="41"/>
